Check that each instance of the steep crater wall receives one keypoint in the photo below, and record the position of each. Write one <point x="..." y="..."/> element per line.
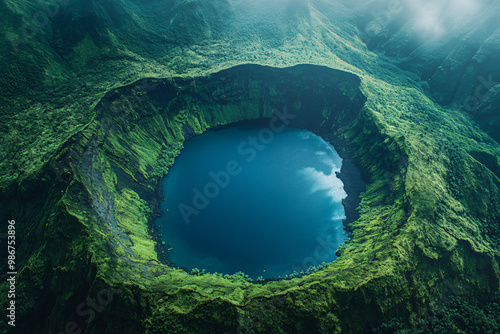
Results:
<point x="110" y="173"/>
<point x="140" y="128"/>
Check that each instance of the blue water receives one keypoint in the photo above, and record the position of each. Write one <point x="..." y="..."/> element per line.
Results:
<point x="252" y="200"/>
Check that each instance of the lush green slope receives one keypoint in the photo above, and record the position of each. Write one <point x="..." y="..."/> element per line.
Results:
<point x="453" y="45"/>
<point x="86" y="140"/>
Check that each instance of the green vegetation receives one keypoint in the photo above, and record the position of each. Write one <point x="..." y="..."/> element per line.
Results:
<point x="453" y="315"/>
<point x="86" y="140"/>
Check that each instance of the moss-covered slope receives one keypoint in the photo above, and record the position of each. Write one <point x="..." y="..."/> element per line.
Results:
<point x="401" y="251"/>
<point x="93" y="120"/>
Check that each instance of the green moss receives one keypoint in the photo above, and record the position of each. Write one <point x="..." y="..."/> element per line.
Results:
<point x="394" y="262"/>
<point x="91" y="142"/>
